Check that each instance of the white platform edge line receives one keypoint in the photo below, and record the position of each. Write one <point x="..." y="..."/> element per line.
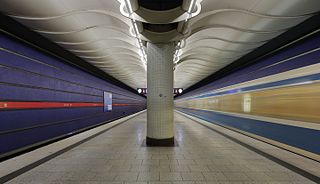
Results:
<point x="21" y="161"/>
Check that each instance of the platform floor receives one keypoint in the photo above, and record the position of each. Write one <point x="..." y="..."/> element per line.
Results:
<point x="119" y="156"/>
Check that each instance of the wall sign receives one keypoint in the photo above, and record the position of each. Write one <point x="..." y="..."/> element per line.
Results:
<point x="177" y="91"/>
<point x="107" y="101"/>
<point x="144" y="91"/>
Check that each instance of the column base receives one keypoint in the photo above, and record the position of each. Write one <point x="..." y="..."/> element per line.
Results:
<point x="169" y="142"/>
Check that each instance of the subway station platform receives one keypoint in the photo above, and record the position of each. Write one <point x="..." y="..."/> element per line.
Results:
<point x="201" y="155"/>
<point x="159" y="91"/>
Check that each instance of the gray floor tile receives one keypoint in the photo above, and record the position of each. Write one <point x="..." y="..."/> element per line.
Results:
<point x="214" y="176"/>
<point x="149" y="176"/>
<point x="127" y="176"/>
<point x="192" y="176"/>
<point x="170" y="176"/>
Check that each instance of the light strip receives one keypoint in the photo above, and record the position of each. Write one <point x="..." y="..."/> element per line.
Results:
<point x="129" y="7"/>
<point x="176" y="57"/>
<point x="190" y="6"/>
<point x="137" y="34"/>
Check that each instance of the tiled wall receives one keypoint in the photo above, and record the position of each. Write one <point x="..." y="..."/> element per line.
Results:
<point x="160" y="96"/>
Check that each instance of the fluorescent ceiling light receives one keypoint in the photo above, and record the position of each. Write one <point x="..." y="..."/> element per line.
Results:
<point x="190" y="6"/>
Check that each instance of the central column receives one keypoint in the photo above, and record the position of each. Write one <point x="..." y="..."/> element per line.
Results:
<point x="160" y="128"/>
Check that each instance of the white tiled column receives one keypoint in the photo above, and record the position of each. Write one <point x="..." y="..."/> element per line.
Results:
<point x="160" y="128"/>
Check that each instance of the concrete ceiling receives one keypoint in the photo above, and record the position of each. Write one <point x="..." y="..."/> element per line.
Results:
<point x="210" y="34"/>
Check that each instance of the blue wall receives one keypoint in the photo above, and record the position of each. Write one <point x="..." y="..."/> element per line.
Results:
<point x="27" y="74"/>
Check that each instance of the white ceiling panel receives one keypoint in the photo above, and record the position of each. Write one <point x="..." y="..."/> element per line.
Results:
<point x="227" y="30"/>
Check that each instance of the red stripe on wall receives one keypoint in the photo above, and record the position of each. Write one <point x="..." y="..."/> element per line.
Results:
<point x="44" y="105"/>
<point x="35" y="105"/>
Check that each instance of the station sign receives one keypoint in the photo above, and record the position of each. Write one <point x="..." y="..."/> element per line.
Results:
<point x="107" y="101"/>
<point x="144" y="91"/>
<point x="177" y="91"/>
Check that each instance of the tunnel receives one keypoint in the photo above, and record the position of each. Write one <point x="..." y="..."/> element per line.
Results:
<point x="160" y="91"/>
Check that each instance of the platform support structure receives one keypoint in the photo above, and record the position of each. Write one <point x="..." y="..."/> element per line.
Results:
<point x="160" y="127"/>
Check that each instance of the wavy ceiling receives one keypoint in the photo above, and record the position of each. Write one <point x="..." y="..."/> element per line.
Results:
<point x="226" y="30"/>
<point x="94" y="30"/>
<point x="101" y="34"/>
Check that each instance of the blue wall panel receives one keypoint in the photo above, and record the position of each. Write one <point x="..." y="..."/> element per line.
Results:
<point x="30" y="75"/>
